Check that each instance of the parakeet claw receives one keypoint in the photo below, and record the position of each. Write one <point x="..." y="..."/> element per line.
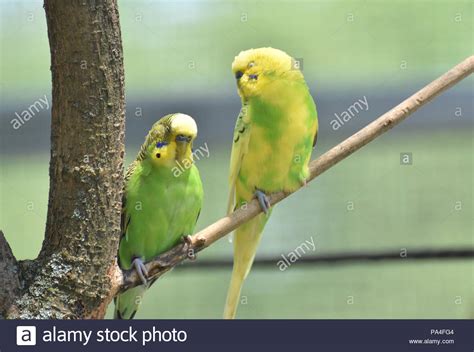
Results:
<point x="142" y="272"/>
<point x="189" y="249"/>
<point x="263" y="200"/>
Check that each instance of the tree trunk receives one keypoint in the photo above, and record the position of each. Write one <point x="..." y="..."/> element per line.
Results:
<point x="71" y="278"/>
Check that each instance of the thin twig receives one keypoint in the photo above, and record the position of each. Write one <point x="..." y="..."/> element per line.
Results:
<point x="222" y="227"/>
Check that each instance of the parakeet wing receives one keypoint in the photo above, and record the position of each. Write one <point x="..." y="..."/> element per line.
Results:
<point x="239" y="149"/>
<point x="125" y="220"/>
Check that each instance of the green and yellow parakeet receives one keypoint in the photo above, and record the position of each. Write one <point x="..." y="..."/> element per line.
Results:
<point x="273" y="139"/>
<point x="160" y="205"/>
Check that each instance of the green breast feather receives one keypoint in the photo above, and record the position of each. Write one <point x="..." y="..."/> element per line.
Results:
<point x="160" y="209"/>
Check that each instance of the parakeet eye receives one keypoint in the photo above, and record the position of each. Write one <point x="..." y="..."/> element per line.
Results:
<point x="161" y="144"/>
<point x="251" y="64"/>
<point x="239" y="74"/>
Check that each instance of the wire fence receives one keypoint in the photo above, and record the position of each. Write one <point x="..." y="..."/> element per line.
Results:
<point x="343" y="258"/>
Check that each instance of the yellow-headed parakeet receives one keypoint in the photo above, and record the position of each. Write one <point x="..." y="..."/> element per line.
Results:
<point x="160" y="206"/>
<point x="273" y="139"/>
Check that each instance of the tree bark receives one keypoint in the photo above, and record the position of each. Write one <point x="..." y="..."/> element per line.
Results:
<point x="71" y="278"/>
<point x="9" y="276"/>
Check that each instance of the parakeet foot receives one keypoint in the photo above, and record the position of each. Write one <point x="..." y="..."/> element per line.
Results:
<point x="188" y="242"/>
<point x="142" y="272"/>
<point x="263" y="200"/>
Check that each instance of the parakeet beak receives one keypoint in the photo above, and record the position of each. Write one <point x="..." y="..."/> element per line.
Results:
<point x="246" y="83"/>
<point x="183" y="147"/>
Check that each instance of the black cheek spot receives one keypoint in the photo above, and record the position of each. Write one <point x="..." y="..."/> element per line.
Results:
<point x="239" y="74"/>
<point x="158" y="155"/>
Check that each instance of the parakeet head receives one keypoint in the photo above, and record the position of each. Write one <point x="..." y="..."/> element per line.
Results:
<point x="171" y="139"/>
<point x="257" y="70"/>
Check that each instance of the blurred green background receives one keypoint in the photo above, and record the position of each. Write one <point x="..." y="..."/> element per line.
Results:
<point x="177" y="58"/>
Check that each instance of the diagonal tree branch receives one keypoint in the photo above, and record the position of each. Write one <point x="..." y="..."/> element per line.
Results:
<point x="220" y="228"/>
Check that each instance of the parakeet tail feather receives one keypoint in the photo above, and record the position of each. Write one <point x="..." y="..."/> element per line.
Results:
<point x="127" y="303"/>
<point x="246" y="240"/>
